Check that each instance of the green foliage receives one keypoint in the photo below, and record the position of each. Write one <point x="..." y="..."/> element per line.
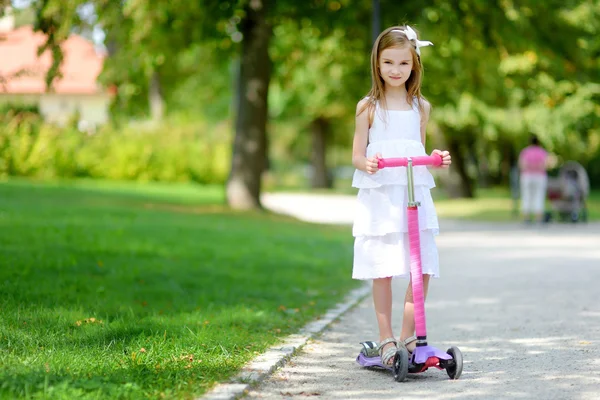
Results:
<point x="12" y="109"/>
<point x="142" y="291"/>
<point x="204" y="79"/>
<point x="496" y="204"/>
<point x="498" y="70"/>
<point x="31" y="148"/>
<point x="25" y="16"/>
<point x="315" y="77"/>
<point x="50" y="20"/>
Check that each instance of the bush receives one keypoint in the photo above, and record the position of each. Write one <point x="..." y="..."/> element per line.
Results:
<point x="32" y="148"/>
<point x="17" y="108"/>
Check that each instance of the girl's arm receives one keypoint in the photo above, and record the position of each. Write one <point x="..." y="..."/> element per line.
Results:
<point x="360" y="142"/>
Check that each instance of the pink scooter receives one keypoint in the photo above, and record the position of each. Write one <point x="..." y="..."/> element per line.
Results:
<point x="424" y="356"/>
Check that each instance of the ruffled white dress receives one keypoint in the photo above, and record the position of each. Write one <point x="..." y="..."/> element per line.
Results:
<point x="381" y="247"/>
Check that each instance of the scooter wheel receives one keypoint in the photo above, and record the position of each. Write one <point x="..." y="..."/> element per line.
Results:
<point x="401" y="364"/>
<point x="455" y="370"/>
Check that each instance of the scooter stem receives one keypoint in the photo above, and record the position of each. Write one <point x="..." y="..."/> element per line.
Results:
<point x="416" y="270"/>
<point x="411" y="184"/>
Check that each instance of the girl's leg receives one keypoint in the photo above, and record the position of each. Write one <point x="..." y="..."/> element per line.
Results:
<point x="541" y="183"/>
<point x="382" y="299"/>
<point x="408" y="320"/>
<point x="526" y="198"/>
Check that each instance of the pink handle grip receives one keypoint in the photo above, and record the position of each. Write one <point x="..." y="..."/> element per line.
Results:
<point x="434" y="160"/>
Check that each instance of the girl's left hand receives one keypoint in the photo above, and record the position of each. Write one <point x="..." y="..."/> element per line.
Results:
<point x="446" y="158"/>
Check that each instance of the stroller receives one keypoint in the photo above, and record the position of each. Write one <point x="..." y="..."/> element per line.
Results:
<point x="567" y="194"/>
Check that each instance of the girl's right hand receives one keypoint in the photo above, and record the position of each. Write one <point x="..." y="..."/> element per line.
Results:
<point x="372" y="164"/>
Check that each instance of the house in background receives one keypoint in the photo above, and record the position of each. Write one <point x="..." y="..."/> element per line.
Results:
<point x="22" y="76"/>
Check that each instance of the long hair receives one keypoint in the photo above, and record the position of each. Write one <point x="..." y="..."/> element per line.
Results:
<point x="389" y="38"/>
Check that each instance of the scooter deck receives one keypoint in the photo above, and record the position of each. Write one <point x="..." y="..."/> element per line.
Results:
<point x="422" y="356"/>
<point x="371" y="362"/>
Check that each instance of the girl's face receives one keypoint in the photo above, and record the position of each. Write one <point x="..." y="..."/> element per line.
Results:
<point x="395" y="65"/>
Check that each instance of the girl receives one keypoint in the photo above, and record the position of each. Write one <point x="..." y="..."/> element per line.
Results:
<point x="391" y="122"/>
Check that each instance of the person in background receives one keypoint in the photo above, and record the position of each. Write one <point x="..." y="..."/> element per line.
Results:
<point x="533" y="165"/>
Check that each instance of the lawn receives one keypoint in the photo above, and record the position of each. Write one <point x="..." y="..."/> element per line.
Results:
<point x="127" y="291"/>
<point x="490" y="204"/>
<point x="495" y="204"/>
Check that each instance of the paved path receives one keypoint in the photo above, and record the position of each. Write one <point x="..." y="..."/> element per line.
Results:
<point x="523" y="305"/>
<point x="323" y="209"/>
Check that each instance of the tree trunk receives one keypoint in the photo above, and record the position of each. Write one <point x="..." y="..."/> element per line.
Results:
<point x="459" y="184"/>
<point x="509" y="160"/>
<point x="155" y="98"/>
<point x="376" y="20"/>
<point x="320" y="176"/>
<point x="484" y="175"/>
<point x="249" y="147"/>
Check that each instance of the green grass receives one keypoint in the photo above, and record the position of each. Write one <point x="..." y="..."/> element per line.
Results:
<point x="127" y="291"/>
<point x="490" y="204"/>
<point x="494" y="205"/>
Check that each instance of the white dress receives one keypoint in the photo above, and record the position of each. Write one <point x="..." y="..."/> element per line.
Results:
<point x="381" y="247"/>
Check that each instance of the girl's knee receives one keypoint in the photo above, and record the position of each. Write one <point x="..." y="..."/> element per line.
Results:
<point x="383" y="280"/>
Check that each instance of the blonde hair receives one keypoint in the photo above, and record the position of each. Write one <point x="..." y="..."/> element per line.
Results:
<point x="390" y="38"/>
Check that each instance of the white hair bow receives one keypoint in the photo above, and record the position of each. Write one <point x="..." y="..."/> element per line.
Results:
<point x="412" y="35"/>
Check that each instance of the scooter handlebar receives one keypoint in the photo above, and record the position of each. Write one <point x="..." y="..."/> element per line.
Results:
<point x="434" y="160"/>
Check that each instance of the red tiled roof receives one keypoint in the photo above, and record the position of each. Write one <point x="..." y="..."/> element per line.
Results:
<point x="18" y="55"/>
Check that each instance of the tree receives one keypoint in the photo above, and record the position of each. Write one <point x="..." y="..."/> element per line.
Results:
<point x="503" y="70"/>
<point x="150" y="36"/>
<point x="320" y="75"/>
<point x="249" y="152"/>
<point x="497" y="71"/>
<point x="162" y="31"/>
<point x="249" y="149"/>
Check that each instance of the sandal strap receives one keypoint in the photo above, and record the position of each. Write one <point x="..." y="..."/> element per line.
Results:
<point x="386" y="342"/>
<point x="388" y="354"/>
<point x="409" y="340"/>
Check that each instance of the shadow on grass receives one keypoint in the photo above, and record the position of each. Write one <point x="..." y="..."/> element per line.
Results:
<point x="90" y="278"/>
<point x="127" y="192"/>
